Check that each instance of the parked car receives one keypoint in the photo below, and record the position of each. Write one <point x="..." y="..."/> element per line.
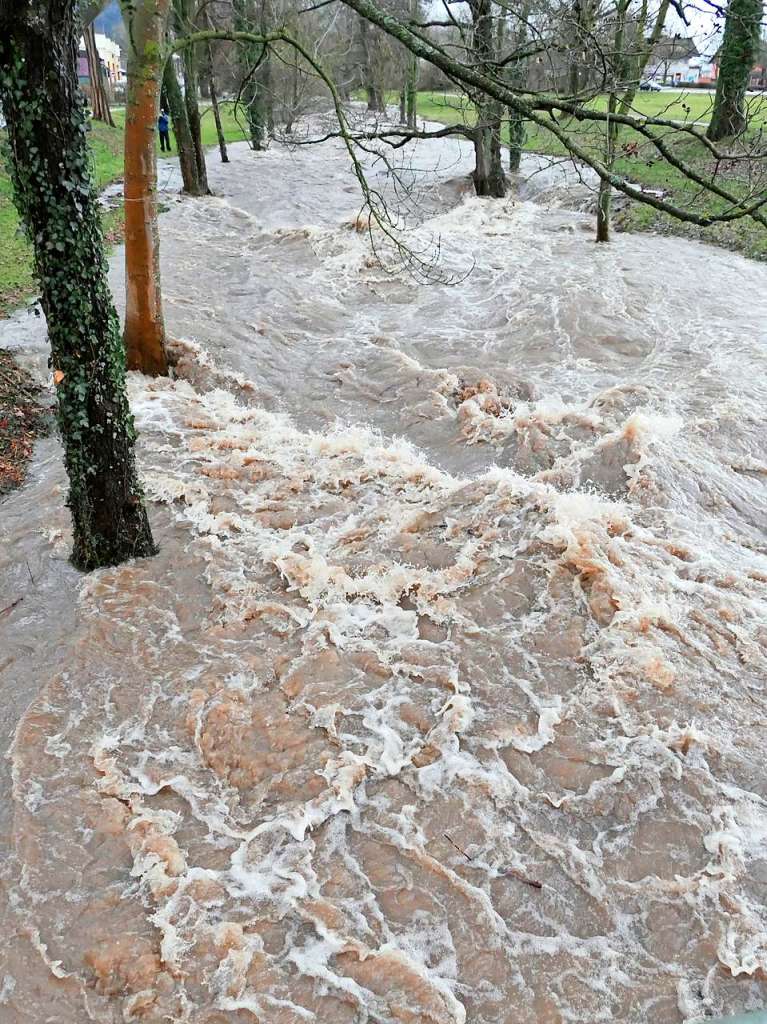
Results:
<point x="648" y="86"/>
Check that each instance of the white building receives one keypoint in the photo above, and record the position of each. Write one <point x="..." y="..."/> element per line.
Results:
<point x="109" y="54"/>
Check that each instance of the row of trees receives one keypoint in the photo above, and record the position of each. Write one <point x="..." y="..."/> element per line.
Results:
<point x="539" y="62"/>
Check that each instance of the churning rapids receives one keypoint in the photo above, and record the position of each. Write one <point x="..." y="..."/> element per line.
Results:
<point x="444" y="700"/>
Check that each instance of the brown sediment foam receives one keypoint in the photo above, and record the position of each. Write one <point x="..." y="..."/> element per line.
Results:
<point x="279" y="770"/>
<point x="240" y="793"/>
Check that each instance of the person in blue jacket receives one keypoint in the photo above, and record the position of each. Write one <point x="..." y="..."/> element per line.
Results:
<point x="162" y="127"/>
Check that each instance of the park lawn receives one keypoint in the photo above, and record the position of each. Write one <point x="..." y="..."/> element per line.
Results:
<point x="233" y="131"/>
<point x="17" y="283"/>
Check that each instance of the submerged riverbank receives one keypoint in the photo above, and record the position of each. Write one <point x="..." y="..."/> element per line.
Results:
<point x="444" y="699"/>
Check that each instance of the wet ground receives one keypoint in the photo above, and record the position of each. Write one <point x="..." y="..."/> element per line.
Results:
<point x="444" y="699"/>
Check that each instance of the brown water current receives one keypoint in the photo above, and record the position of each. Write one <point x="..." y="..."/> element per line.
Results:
<point x="444" y="700"/>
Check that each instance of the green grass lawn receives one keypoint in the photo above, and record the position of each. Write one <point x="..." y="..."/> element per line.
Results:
<point x="16" y="280"/>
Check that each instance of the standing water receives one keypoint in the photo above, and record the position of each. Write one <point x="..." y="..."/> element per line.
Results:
<point x="444" y="700"/>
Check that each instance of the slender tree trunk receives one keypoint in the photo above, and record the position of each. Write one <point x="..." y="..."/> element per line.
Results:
<point x="739" y="52"/>
<point x="488" y="176"/>
<point x="411" y="81"/>
<point x="517" y="136"/>
<point x="604" y="196"/>
<point x="49" y="164"/>
<point x="376" y="99"/>
<point x="99" y="98"/>
<point x="186" y="155"/>
<point x="249" y="56"/>
<point x="517" y="80"/>
<point x="403" y="105"/>
<point x="216" y="112"/>
<point x="144" y="323"/>
<point x="191" y="90"/>
<point x="627" y="73"/>
<point x="264" y="73"/>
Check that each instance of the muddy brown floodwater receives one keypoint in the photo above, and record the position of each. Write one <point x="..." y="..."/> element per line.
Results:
<point x="444" y="700"/>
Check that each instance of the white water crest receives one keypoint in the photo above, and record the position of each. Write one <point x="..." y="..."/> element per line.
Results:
<point x="444" y="700"/>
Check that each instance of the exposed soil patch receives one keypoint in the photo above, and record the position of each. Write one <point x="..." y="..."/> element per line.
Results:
<point x="23" y="418"/>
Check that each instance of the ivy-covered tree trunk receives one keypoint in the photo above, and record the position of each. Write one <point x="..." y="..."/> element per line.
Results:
<point x="740" y="49"/>
<point x="49" y="165"/>
<point x="144" y="322"/>
<point x="186" y="155"/>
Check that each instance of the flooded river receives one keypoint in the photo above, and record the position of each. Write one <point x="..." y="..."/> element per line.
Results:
<point x="444" y="700"/>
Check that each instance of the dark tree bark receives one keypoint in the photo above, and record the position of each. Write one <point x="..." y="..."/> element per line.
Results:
<point x="99" y="97"/>
<point x="489" y="178"/>
<point x="375" y="95"/>
<point x="250" y="56"/>
<point x="740" y="49"/>
<point x="186" y="153"/>
<point x="411" y="80"/>
<point x="186" y="16"/>
<point x="54" y="194"/>
<point x="216" y="112"/>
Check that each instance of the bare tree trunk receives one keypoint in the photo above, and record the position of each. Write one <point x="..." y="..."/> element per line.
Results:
<point x="604" y="196"/>
<point x="54" y="194"/>
<point x="739" y="52"/>
<point x="376" y="99"/>
<point x="186" y="154"/>
<point x="627" y="72"/>
<point x="144" y="323"/>
<point x="488" y="176"/>
<point x="216" y="112"/>
<point x="249" y="56"/>
<point x="265" y="72"/>
<point x="191" y="89"/>
<point x="99" y="98"/>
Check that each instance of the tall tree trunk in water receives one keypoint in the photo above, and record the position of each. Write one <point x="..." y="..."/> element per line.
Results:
<point x="54" y="194"/>
<point x="375" y="97"/>
<point x="249" y="56"/>
<point x="489" y="179"/>
<point x="517" y="135"/>
<point x="403" y="104"/>
<point x="739" y="52"/>
<point x="144" y="323"/>
<point x="411" y="82"/>
<point x="186" y="155"/>
<point x="627" y="72"/>
<point x="185" y="11"/>
<point x="191" y="89"/>
<point x="264" y="72"/>
<point x="517" y="80"/>
<point x="216" y="111"/>
<point x="99" y="97"/>
<point x="604" y="196"/>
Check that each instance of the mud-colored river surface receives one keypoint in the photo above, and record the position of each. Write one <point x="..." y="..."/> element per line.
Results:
<point x="444" y="700"/>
